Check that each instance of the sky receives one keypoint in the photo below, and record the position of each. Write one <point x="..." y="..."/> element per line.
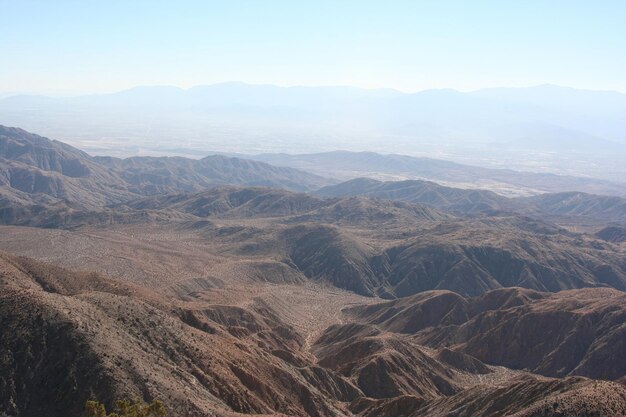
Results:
<point x="74" y="47"/>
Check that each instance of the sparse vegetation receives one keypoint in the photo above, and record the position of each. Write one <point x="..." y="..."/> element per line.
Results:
<point x="126" y="408"/>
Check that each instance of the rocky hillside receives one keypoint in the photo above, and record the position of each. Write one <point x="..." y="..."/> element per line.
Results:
<point x="469" y="258"/>
<point x="577" y="332"/>
<point x="242" y="203"/>
<point x="614" y="234"/>
<point x="70" y="336"/>
<point x="574" y="204"/>
<point x="392" y="249"/>
<point x="423" y="192"/>
<point x="570" y="207"/>
<point x="35" y="168"/>
<point x="83" y="336"/>
<point x="151" y="175"/>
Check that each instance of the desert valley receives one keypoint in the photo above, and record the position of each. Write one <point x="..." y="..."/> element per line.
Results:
<point x="226" y="286"/>
<point x="322" y="208"/>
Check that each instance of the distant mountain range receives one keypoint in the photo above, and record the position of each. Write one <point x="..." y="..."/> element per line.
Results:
<point x="596" y="113"/>
<point x="551" y="128"/>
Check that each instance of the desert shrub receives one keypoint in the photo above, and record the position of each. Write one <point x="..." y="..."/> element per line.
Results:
<point x="126" y="408"/>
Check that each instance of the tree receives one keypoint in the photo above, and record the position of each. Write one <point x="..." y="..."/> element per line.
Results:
<point x="126" y="408"/>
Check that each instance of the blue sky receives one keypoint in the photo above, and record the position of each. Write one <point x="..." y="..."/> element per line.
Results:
<point x="71" y="47"/>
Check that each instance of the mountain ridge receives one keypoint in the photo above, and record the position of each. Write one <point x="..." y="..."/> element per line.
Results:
<point x="38" y="166"/>
<point x="573" y="206"/>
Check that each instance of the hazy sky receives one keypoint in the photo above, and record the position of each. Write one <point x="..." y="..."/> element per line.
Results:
<point x="61" y="46"/>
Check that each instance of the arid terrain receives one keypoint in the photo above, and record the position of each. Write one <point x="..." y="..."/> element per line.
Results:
<point x="225" y="286"/>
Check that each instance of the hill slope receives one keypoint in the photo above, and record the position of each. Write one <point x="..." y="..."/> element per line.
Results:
<point x="571" y="207"/>
<point x="391" y="249"/>
<point x="423" y="192"/>
<point x="605" y="209"/>
<point x="67" y="337"/>
<point x="556" y="334"/>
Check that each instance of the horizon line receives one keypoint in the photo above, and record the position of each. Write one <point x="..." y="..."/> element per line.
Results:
<point x="8" y="94"/>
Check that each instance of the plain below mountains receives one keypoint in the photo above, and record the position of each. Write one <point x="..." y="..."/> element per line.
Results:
<point x="350" y="165"/>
